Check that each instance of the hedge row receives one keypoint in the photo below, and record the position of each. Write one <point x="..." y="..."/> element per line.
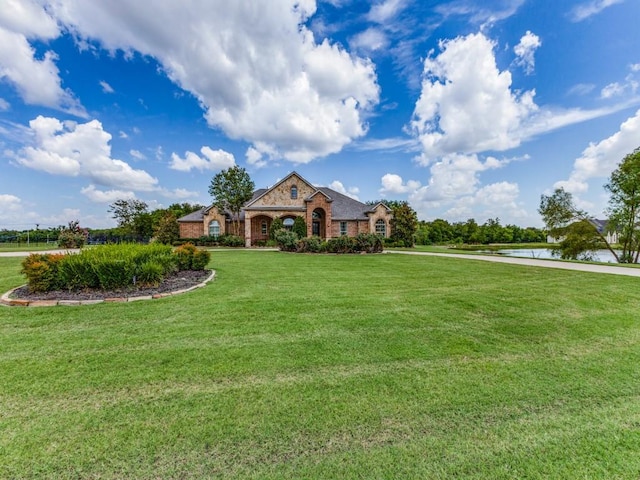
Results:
<point x="209" y="241"/>
<point x="110" y="267"/>
<point x="362" y="243"/>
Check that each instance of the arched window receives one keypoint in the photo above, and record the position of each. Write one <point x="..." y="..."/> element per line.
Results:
<point x="381" y="228"/>
<point x="288" y="223"/>
<point x="214" y="229"/>
<point x="294" y="192"/>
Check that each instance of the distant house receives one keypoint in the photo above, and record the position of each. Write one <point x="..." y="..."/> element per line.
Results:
<point x="327" y="214"/>
<point x="601" y="227"/>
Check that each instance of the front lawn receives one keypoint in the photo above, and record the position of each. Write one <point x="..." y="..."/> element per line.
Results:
<point x="303" y="366"/>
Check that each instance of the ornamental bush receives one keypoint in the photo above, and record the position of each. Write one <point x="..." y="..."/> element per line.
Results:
<point x="310" y="245"/>
<point x="287" y="241"/>
<point x="41" y="271"/>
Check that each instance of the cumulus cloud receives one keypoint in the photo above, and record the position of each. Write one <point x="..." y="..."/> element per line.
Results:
<point x="466" y="104"/>
<point x="525" y="51"/>
<point x="371" y="40"/>
<point x="394" y="184"/>
<point x="9" y="203"/>
<point x="339" y="187"/>
<point x="588" y="9"/>
<point x="72" y="149"/>
<point x="211" y="160"/>
<point x="598" y="160"/>
<point x="37" y="80"/>
<point x="254" y="66"/>
<point x="106" y="196"/>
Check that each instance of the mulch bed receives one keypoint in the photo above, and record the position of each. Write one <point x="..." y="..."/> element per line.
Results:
<point x="171" y="283"/>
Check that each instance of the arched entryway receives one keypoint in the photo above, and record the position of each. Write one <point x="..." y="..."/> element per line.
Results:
<point x="318" y="223"/>
<point x="260" y="226"/>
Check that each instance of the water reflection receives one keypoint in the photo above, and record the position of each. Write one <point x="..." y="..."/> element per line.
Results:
<point x="600" y="255"/>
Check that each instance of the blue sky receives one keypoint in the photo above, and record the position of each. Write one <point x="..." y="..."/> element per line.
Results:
<point x="465" y="108"/>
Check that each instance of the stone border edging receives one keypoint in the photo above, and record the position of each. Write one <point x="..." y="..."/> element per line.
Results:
<point x="7" y="301"/>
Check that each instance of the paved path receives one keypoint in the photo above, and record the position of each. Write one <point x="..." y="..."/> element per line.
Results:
<point x="534" y="262"/>
<point x="26" y="254"/>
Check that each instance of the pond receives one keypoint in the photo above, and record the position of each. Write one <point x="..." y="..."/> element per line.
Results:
<point x="601" y="255"/>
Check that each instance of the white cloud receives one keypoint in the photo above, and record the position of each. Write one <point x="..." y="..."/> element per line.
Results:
<point x="617" y="89"/>
<point x="588" y="9"/>
<point x="635" y="67"/>
<point x="122" y="134"/>
<point x="211" y="160"/>
<point x="598" y="160"/>
<point x="37" y="80"/>
<point x="394" y="184"/>
<point x="83" y="149"/>
<point x="9" y="203"/>
<point x="137" y="154"/>
<point x="386" y="10"/>
<point x="612" y="90"/>
<point x="255" y="158"/>
<point x="371" y="40"/>
<point x="525" y="51"/>
<point x="340" y="188"/>
<point x="178" y="193"/>
<point x="581" y="89"/>
<point x="108" y="196"/>
<point x="106" y="88"/>
<point x="466" y="103"/>
<point x="4" y="105"/>
<point x="254" y="66"/>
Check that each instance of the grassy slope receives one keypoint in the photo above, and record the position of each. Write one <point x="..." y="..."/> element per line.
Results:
<point x="286" y="366"/>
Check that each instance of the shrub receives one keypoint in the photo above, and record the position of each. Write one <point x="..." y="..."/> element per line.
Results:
<point x="342" y="244"/>
<point x="310" y="245"/>
<point x="41" y="271"/>
<point x="368" y="243"/>
<point x="114" y="273"/>
<point x="150" y="273"/>
<point x="200" y="260"/>
<point x="76" y="273"/>
<point x="72" y="236"/>
<point x="276" y="225"/>
<point x="231" y="241"/>
<point x="184" y="256"/>
<point x="287" y="241"/>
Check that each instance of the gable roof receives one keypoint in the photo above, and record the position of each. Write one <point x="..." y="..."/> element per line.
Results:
<point x="267" y="190"/>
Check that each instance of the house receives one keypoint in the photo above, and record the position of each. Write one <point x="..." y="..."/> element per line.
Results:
<point x="327" y="214"/>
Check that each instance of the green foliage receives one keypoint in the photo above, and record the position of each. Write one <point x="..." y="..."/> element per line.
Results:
<point x="624" y="206"/>
<point x="167" y="230"/>
<point x="231" y="189"/>
<point x="578" y="234"/>
<point x="311" y="245"/>
<point x="580" y="242"/>
<point x="41" y="271"/>
<point x="287" y="240"/>
<point x="341" y="244"/>
<point x="276" y="225"/>
<point x="299" y="227"/>
<point x="368" y="243"/>
<point x="231" y="241"/>
<point x="107" y="267"/>
<point x="72" y="236"/>
<point x="133" y="217"/>
<point x="189" y="257"/>
<point x="404" y="224"/>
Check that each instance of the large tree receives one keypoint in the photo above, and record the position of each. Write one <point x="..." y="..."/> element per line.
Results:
<point x="133" y="217"/>
<point x="579" y="232"/>
<point x="231" y="189"/>
<point x="624" y="206"/>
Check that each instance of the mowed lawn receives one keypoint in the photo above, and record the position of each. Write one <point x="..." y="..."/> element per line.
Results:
<point x="301" y="366"/>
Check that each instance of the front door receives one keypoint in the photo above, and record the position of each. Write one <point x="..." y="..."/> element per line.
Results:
<point x="315" y="229"/>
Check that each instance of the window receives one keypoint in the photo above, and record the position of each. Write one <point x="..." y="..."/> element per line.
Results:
<point x="294" y="192"/>
<point x="288" y="223"/>
<point x="343" y="228"/>
<point x="214" y="229"/>
<point x="381" y="228"/>
<point x="263" y="227"/>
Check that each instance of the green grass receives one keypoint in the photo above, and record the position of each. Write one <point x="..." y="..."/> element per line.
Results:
<point x="299" y="366"/>
<point x="31" y="247"/>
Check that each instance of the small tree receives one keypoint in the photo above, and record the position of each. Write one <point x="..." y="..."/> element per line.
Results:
<point x="231" y="189"/>
<point x="276" y="225"/>
<point x="404" y="224"/>
<point x="72" y="236"/>
<point x="300" y="227"/>
<point x="167" y="229"/>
